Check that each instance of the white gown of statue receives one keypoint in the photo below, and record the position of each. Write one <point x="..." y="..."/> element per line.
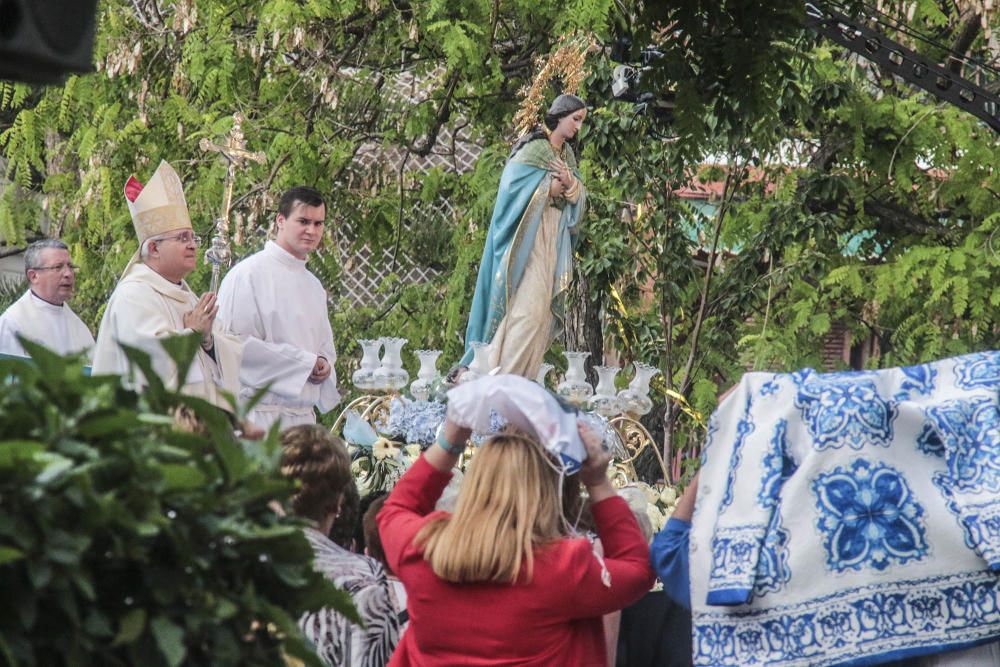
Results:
<point x="525" y="332"/>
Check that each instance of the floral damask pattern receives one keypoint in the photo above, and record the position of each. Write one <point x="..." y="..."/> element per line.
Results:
<point x="778" y="466"/>
<point x="744" y="428"/>
<point x="969" y="430"/>
<point x="916" y="380"/>
<point x="770" y="387"/>
<point x="849" y="411"/>
<point x="855" y="624"/>
<point x="929" y="442"/>
<point x="979" y="519"/>
<point x="978" y="370"/>
<point x="735" y="554"/>
<point x="868" y="517"/>
<point x="773" y="571"/>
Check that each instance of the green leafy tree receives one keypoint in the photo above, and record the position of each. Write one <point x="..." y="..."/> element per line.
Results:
<point x="125" y="540"/>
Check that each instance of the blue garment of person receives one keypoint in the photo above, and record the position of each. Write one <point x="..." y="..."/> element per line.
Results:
<point x="669" y="556"/>
<point x="521" y="200"/>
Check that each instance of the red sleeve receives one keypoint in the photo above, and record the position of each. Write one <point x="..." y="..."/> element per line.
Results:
<point x="410" y="501"/>
<point x="626" y="557"/>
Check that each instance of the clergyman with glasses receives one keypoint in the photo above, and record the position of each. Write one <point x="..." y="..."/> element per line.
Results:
<point x="152" y="301"/>
<point x="42" y="314"/>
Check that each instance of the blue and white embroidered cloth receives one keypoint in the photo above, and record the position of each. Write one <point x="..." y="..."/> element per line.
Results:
<point x="846" y="516"/>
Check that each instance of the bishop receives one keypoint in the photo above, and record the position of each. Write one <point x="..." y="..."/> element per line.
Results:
<point x="152" y="301"/>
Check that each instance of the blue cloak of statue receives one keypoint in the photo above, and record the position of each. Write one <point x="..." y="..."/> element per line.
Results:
<point x="521" y="200"/>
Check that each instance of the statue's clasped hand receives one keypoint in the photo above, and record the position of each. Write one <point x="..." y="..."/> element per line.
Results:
<point x="560" y="170"/>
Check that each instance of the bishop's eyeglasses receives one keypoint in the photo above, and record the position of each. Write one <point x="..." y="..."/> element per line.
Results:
<point x="185" y="238"/>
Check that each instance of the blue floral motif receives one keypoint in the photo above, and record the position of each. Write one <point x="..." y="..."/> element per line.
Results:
<point x="970" y="432"/>
<point x="868" y="516"/>
<point x="929" y="442"/>
<point x="802" y="376"/>
<point x="845" y="411"/>
<point x="916" y="379"/>
<point x="744" y="428"/>
<point x="792" y="636"/>
<point x="773" y="571"/>
<point x="750" y="641"/>
<point x="972" y="602"/>
<point x="855" y="625"/>
<point x="778" y="466"/>
<point x="717" y="642"/>
<point x="735" y="552"/>
<point x="927" y="611"/>
<point x="981" y="369"/>
<point x="770" y="387"/>
<point x="839" y="625"/>
<point x="881" y="615"/>
<point x="980" y="521"/>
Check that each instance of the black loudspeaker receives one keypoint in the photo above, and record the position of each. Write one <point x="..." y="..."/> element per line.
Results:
<point x="41" y="41"/>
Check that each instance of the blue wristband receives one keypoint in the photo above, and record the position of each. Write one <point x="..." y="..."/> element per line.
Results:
<point x="454" y="450"/>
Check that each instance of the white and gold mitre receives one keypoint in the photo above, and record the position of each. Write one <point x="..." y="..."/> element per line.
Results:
<point x="159" y="206"/>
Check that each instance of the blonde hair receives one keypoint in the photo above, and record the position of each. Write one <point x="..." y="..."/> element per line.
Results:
<point x="508" y="505"/>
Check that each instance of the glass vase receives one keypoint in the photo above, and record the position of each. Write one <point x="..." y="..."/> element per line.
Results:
<point x="422" y="387"/>
<point x="574" y="387"/>
<point x="543" y="370"/>
<point x="391" y="374"/>
<point x="635" y="398"/>
<point x="480" y="365"/>
<point x="363" y="378"/>
<point x="604" y="401"/>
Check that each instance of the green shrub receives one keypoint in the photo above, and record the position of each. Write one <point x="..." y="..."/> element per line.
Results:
<point x="124" y="541"/>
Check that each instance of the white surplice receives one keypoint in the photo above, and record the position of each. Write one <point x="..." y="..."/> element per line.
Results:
<point x="278" y="308"/>
<point x="144" y="309"/>
<point x="56" y="327"/>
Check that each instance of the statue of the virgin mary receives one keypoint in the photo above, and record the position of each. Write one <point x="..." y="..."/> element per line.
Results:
<point x="527" y="263"/>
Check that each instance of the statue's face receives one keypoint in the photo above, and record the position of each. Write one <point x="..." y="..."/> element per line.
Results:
<point x="568" y="126"/>
<point x="55" y="276"/>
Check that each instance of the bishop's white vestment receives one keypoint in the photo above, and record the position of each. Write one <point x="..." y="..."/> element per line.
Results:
<point x="56" y="327"/>
<point x="144" y="309"/>
<point x="278" y="308"/>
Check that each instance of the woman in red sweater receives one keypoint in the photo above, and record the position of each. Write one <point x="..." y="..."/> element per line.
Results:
<point x="497" y="582"/>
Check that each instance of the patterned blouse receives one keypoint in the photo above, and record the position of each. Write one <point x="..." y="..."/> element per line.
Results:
<point x="338" y="641"/>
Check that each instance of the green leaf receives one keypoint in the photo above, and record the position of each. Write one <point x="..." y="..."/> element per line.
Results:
<point x="130" y="626"/>
<point x="182" y="477"/>
<point x="100" y="425"/>
<point x="55" y="466"/>
<point x="10" y="554"/>
<point x="182" y="350"/>
<point x="170" y="639"/>
<point x="16" y="452"/>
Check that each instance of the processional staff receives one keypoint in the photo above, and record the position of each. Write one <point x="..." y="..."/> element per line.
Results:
<point x="234" y="151"/>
